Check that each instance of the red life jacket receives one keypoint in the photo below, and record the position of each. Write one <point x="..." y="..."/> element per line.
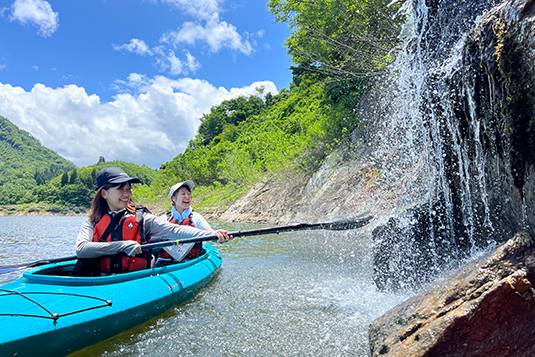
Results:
<point x="197" y="247"/>
<point x="128" y="228"/>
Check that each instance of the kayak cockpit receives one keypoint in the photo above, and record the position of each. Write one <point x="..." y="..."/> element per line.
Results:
<point x="57" y="270"/>
<point x="61" y="273"/>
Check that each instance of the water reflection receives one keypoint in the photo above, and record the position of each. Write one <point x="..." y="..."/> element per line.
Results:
<point x="27" y="239"/>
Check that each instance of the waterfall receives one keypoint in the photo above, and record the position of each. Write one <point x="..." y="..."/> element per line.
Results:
<point x="455" y="195"/>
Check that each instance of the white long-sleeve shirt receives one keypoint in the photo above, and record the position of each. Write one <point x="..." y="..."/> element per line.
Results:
<point x="155" y="227"/>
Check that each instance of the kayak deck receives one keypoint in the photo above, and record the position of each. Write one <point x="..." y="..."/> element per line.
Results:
<point x="47" y="312"/>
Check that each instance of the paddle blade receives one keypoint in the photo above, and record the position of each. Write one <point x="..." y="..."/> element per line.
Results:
<point x="5" y="270"/>
<point x="349" y="223"/>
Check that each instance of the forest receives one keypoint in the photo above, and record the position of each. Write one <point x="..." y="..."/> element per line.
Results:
<point x="338" y="48"/>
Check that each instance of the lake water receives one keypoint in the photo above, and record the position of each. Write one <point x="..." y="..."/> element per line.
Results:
<point x="293" y="294"/>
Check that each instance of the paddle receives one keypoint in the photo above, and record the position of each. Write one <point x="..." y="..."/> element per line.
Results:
<point x="9" y="268"/>
<point x="339" y="225"/>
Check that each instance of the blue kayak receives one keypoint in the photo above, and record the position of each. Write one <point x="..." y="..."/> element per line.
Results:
<point x="47" y="312"/>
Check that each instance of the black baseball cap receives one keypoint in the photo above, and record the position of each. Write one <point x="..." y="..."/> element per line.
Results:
<point x="114" y="175"/>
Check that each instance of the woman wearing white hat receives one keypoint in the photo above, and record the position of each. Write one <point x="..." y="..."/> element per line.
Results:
<point x="183" y="214"/>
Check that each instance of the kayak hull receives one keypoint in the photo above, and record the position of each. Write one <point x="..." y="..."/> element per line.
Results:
<point x="50" y="315"/>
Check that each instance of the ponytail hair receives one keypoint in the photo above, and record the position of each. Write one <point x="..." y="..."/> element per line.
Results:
<point x="99" y="206"/>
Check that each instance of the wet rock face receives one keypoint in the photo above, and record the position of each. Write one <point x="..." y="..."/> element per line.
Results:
<point x="403" y="257"/>
<point x="485" y="309"/>
<point x="486" y="121"/>
<point x="499" y="68"/>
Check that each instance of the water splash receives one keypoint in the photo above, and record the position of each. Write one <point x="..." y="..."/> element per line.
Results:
<point x="423" y="150"/>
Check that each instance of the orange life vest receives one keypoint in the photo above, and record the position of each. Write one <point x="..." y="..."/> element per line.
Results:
<point x="126" y="229"/>
<point x="197" y="247"/>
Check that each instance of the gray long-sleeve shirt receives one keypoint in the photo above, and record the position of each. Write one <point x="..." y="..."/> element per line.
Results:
<point x="155" y="227"/>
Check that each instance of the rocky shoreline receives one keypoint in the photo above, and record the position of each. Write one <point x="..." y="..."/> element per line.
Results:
<point x="36" y="213"/>
<point x="486" y="308"/>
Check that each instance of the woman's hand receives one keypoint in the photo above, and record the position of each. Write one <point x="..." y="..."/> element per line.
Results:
<point x="131" y="248"/>
<point x="222" y="236"/>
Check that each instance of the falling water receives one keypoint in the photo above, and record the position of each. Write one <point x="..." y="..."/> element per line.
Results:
<point x="422" y="147"/>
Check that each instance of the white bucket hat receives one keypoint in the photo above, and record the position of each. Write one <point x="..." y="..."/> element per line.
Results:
<point x="189" y="184"/>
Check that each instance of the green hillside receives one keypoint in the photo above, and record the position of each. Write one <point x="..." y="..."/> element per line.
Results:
<point x="260" y="138"/>
<point x="34" y="178"/>
<point x="25" y="163"/>
<point x="75" y="189"/>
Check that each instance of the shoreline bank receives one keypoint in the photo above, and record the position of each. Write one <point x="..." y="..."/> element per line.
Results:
<point x="35" y="214"/>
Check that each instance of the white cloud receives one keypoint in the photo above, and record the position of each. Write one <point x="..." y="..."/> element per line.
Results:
<point x="176" y="66"/>
<point x="206" y="28"/>
<point x="165" y="60"/>
<point x="202" y="9"/>
<point x="136" y="46"/>
<point x="149" y="127"/>
<point x="192" y="62"/>
<point x="35" y="67"/>
<point x="217" y="34"/>
<point x="37" y="13"/>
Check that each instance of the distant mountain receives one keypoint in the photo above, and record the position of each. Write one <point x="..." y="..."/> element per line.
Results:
<point x="25" y="163"/>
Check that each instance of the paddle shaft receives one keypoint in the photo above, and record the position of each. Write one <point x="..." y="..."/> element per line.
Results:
<point x="9" y="268"/>
<point x="40" y="262"/>
<point x="343" y="224"/>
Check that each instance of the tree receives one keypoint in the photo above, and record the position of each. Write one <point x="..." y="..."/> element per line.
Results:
<point x="74" y="175"/>
<point x="229" y="112"/>
<point x="64" y="179"/>
<point x="94" y="177"/>
<point x="39" y="177"/>
<point x="101" y="160"/>
<point x="343" y="39"/>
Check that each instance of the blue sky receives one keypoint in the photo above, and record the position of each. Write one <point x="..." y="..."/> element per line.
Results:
<point x="130" y="79"/>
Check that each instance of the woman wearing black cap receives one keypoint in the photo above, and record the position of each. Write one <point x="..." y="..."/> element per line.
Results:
<point x="111" y="236"/>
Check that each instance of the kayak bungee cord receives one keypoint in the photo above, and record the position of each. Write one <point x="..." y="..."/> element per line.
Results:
<point x="53" y="315"/>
